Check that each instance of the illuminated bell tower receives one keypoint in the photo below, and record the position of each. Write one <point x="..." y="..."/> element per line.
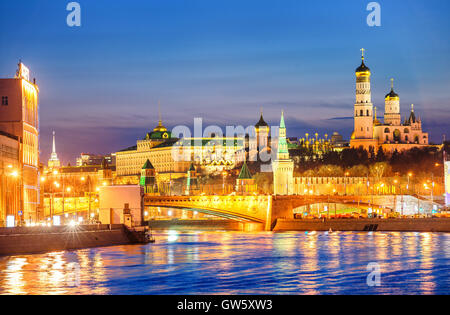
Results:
<point x="283" y="166"/>
<point x="363" y="111"/>
<point x="392" y="108"/>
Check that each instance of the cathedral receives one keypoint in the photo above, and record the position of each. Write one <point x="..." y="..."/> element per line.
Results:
<point x="392" y="134"/>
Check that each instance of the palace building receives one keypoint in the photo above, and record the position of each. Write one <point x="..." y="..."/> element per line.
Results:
<point x="392" y="134"/>
<point x="172" y="157"/>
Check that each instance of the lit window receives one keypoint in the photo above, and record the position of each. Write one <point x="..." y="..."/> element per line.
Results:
<point x="4" y="100"/>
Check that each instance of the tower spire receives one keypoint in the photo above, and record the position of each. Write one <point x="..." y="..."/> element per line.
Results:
<point x="392" y="84"/>
<point x="54" y="161"/>
<point x="54" y="143"/>
<point x="159" y="113"/>
<point x="362" y="53"/>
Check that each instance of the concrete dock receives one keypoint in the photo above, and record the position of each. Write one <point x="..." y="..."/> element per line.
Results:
<point x="31" y="240"/>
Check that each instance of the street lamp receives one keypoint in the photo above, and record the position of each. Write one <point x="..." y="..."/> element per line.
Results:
<point x="223" y="181"/>
<point x="409" y="177"/>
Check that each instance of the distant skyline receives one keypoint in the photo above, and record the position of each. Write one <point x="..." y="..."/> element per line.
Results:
<point x="221" y="61"/>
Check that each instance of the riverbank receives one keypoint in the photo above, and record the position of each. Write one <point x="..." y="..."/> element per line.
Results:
<point x="31" y="240"/>
<point x="382" y="225"/>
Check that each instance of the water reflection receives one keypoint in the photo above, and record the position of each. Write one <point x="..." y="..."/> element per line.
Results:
<point x="240" y="263"/>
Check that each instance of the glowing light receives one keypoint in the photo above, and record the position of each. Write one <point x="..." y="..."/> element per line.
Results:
<point x="92" y="215"/>
<point x="15" y="174"/>
<point x="83" y="179"/>
<point x="42" y="179"/>
<point x="80" y="219"/>
<point x="69" y="189"/>
<point x="10" y="221"/>
<point x="72" y="223"/>
<point x="55" y="172"/>
<point x="173" y="236"/>
<point x="146" y="213"/>
<point x="169" y="213"/>
<point x="57" y="220"/>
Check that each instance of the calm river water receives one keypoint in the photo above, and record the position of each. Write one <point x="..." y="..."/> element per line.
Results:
<point x="240" y="263"/>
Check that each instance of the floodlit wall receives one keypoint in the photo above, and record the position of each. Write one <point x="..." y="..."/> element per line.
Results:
<point x="113" y="200"/>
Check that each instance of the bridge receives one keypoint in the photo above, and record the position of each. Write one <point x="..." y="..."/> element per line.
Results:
<point x="260" y="209"/>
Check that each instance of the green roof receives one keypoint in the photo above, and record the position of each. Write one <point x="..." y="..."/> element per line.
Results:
<point x="245" y="172"/>
<point x="148" y="166"/>
<point x="158" y="135"/>
<point x="282" y="124"/>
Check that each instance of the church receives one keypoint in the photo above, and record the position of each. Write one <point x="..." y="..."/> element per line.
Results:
<point x="392" y="134"/>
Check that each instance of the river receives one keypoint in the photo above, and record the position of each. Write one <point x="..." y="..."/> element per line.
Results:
<point x="242" y="263"/>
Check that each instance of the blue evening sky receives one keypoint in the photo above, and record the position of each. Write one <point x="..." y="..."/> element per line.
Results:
<point x="221" y="60"/>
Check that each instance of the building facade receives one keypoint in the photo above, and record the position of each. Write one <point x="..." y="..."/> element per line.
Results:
<point x="447" y="183"/>
<point x="19" y="116"/>
<point x="172" y="157"/>
<point x="392" y="134"/>
<point x="9" y="181"/>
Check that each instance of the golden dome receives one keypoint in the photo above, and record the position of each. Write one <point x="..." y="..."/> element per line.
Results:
<point x="160" y="128"/>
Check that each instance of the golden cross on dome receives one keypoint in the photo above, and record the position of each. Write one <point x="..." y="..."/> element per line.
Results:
<point x="362" y="53"/>
<point x="392" y="83"/>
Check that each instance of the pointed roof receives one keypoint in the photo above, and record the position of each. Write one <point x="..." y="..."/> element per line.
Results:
<point x="148" y="166"/>
<point x="245" y="172"/>
<point x="282" y="124"/>
<point x="261" y="122"/>
<point x="392" y="94"/>
<point x="192" y="168"/>
<point x="362" y="67"/>
<point x="412" y="117"/>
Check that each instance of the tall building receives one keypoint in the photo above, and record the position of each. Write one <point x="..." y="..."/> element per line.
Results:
<point x="283" y="166"/>
<point x="447" y="183"/>
<point x="19" y="117"/>
<point x="392" y="134"/>
<point x="261" y="143"/>
<point x="54" y="161"/>
<point x="9" y="181"/>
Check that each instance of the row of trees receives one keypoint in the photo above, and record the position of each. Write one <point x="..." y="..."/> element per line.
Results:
<point x="359" y="162"/>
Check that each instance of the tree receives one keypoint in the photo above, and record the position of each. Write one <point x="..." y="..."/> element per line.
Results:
<point x="381" y="157"/>
<point x="358" y="171"/>
<point x="380" y="169"/>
